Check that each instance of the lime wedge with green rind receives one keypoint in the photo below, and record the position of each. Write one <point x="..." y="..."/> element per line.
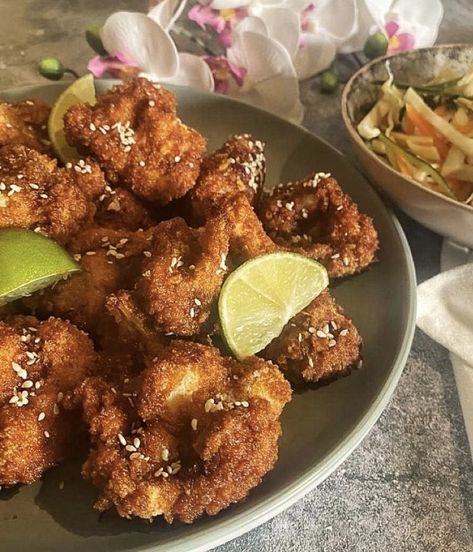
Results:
<point x="260" y="297"/>
<point x="29" y="262"/>
<point x="80" y="91"/>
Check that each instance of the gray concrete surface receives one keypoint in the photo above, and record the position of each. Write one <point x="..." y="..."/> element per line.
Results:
<point x="409" y="486"/>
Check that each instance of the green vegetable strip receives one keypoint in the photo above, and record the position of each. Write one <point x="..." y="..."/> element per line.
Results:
<point x="418" y="164"/>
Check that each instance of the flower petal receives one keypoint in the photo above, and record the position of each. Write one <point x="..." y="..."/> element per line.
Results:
<point x="371" y="15"/>
<point x="141" y="40"/>
<point x="167" y="12"/>
<point x="229" y="4"/>
<point x="421" y="18"/>
<point x="316" y="54"/>
<point x="338" y="18"/>
<point x="253" y="24"/>
<point x="283" y="26"/>
<point x="206" y="16"/>
<point x="194" y="72"/>
<point x="269" y="69"/>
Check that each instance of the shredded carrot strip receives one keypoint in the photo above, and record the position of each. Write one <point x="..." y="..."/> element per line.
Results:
<point x="426" y="129"/>
<point x="441" y="110"/>
<point x="403" y="165"/>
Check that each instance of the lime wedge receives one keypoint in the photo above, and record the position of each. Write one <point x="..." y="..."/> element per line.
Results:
<point x="80" y="91"/>
<point x="28" y="262"/>
<point x="260" y="297"/>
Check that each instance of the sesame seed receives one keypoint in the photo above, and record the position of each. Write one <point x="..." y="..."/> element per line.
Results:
<point x="33" y="186"/>
<point x="121" y="439"/>
<point x="47" y="434"/>
<point x="60" y="396"/>
<point x="312" y="330"/>
<point x="130" y="448"/>
<point x="177" y="158"/>
<point x="165" y="454"/>
<point x="136" y="442"/>
<point x="147" y="254"/>
<point x="198" y="302"/>
<point x="192" y="312"/>
<point x="321" y="334"/>
<point x="14" y="399"/>
<point x="310" y="361"/>
<point x="344" y="332"/>
<point x="56" y="409"/>
<point x="151" y="103"/>
<point x="245" y="404"/>
<point x="16" y="367"/>
<point x="142" y="163"/>
<point x="92" y="127"/>
<point x="194" y="423"/>
<point x="90" y="253"/>
<point x="27" y="384"/>
<point x="335" y="256"/>
<point x="332" y="343"/>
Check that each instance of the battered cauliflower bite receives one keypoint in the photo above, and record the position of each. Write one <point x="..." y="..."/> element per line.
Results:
<point x="110" y="260"/>
<point x="134" y="133"/>
<point x="41" y="363"/>
<point x="36" y="194"/>
<point x="119" y="209"/>
<point x="238" y="166"/>
<point x="24" y="123"/>
<point x="319" y="344"/>
<point x="194" y="434"/>
<point x="181" y="279"/>
<point x="316" y="218"/>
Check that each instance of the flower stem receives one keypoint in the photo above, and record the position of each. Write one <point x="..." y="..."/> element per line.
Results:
<point x="72" y="72"/>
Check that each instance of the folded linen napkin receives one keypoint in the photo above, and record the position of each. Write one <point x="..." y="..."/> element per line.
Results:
<point x="445" y="313"/>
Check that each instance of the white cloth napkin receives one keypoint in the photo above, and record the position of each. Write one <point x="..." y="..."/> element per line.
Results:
<point x="445" y="313"/>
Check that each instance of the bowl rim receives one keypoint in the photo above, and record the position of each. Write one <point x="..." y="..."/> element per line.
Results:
<point x="350" y="125"/>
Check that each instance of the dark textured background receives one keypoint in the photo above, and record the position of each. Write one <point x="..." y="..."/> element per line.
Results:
<point x="409" y="486"/>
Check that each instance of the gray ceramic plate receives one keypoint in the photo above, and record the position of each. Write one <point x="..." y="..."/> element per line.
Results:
<point x="320" y="427"/>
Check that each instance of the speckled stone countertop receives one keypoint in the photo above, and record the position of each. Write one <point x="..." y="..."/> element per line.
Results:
<point x="409" y="486"/>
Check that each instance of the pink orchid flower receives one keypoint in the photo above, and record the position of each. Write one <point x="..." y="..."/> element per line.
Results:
<point x="223" y="70"/>
<point x="222" y="21"/>
<point x="117" y="66"/>
<point x="398" y="42"/>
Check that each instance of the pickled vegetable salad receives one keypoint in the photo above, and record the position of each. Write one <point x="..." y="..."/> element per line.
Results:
<point x="426" y="132"/>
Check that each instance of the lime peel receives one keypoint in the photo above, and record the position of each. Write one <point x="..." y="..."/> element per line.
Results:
<point x="80" y="91"/>
<point x="30" y="262"/>
<point x="260" y="297"/>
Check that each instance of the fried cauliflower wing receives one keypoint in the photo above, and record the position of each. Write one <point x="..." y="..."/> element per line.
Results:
<point x="110" y="260"/>
<point x="36" y="194"/>
<point x="121" y="210"/>
<point x="181" y="279"/>
<point x="192" y="435"/>
<point x="134" y="133"/>
<point x="319" y="344"/>
<point x="24" y="123"/>
<point x="238" y="166"/>
<point x="41" y="363"/>
<point x="316" y="218"/>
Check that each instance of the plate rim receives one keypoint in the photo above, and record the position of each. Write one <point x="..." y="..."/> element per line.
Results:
<point x="244" y="522"/>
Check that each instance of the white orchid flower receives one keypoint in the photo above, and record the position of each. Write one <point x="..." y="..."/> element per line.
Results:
<point x="270" y="80"/>
<point x="145" y="42"/>
<point x="407" y="23"/>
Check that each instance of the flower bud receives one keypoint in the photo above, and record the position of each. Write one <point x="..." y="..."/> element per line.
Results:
<point x="328" y="82"/>
<point x="51" y="68"/>
<point x="376" y="45"/>
<point x="92" y="35"/>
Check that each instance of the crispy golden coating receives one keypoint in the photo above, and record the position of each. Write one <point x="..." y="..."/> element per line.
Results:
<point x="110" y="260"/>
<point x="41" y="363"/>
<point x="181" y="279"/>
<point x="203" y="433"/>
<point x="247" y="235"/>
<point x="121" y="210"/>
<point x="134" y="133"/>
<point x="316" y="218"/>
<point x="36" y="194"/>
<point x="25" y="123"/>
<point x="238" y="166"/>
<point x="321" y="343"/>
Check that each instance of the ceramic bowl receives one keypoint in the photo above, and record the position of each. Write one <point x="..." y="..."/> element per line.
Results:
<point x="437" y="212"/>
